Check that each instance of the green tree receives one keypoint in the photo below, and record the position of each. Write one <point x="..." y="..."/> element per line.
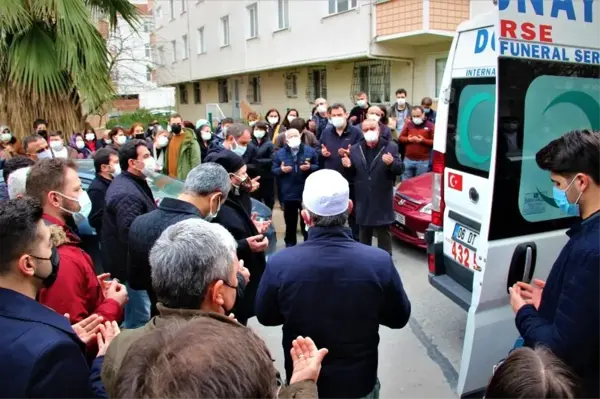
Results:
<point x="53" y="60"/>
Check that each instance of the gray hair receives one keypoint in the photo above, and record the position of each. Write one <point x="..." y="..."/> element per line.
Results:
<point x="289" y="131"/>
<point x="236" y="130"/>
<point x="207" y="178"/>
<point x="329" y="221"/>
<point x="186" y="258"/>
<point x="16" y="182"/>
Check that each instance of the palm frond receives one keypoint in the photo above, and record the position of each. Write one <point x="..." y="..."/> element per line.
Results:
<point x="112" y="9"/>
<point x="14" y="17"/>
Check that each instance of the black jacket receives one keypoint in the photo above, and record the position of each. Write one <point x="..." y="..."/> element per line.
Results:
<point x="235" y="218"/>
<point x="262" y="159"/>
<point x="144" y="232"/>
<point x="127" y="197"/>
<point x="360" y="113"/>
<point x="97" y="193"/>
<point x="217" y="146"/>
<point x="374" y="183"/>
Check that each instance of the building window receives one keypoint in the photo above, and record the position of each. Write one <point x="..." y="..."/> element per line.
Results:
<point x="161" y="55"/>
<point x="291" y="85"/>
<point x="440" y="65"/>
<point x="200" y="40"/>
<point x="183" y="94"/>
<point x="283" y="12"/>
<point x="172" y="8"/>
<point x="149" y="74"/>
<point x="317" y="83"/>
<point x="148" y="24"/>
<point x="372" y="77"/>
<point x="148" y="51"/>
<point x="253" y="95"/>
<point x="183" y="6"/>
<point x="253" y="20"/>
<point x="223" y="91"/>
<point x="197" y="94"/>
<point x="225" y="31"/>
<point x="174" y="50"/>
<point x="336" y="6"/>
<point x="158" y="14"/>
<point x="184" y="41"/>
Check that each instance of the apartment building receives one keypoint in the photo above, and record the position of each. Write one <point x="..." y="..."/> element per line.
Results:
<point x="253" y="55"/>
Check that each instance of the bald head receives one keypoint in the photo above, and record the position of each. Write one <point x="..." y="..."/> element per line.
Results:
<point x="369" y="124"/>
<point x="291" y="133"/>
<point x="374" y="113"/>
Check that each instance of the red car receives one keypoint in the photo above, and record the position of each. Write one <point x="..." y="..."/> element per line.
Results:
<point x="412" y="208"/>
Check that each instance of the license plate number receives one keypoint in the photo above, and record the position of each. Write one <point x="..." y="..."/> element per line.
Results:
<point x="400" y="219"/>
<point x="464" y="235"/>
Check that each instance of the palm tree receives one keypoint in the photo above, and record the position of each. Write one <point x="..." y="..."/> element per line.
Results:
<point x="53" y="60"/>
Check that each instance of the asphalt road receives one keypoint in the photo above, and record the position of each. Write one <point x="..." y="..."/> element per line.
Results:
<point x="422" y="359"/>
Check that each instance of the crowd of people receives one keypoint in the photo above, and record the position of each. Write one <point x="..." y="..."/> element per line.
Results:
<point x="183" y="276"/>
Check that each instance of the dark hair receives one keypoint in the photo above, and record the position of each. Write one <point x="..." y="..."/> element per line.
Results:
<point x="427" y="100"/>
<point x="226" y="120"/>
<point x="199" y="358"/>
<point x="19" y="220"/>
<point x="31" y="139"/>
<point x="278" y="116"/>
<point x="47" y="175"/>
<point x="574" y="152"/>
<point x="189" y="125"/>
<point x="337" y="106"/>
<point x="38" y="122"/>
<point x="532" y="373"/>
<point x="285" y="121"/>
<point x="298" y="124"/>
<point x="102" y="157"/>
<point x="312" y="112"/>
<point x="261" y="125"/>
<point x="15" y="163"/>
<point x="57" y="133"/>
<point x="419" y="108"/>
<point x="129" y="151"/>
<point x="384" y="118"/>
<point x="115" y="130"/>
<point x="401" y="91"/>
<point x="360" y="93"/>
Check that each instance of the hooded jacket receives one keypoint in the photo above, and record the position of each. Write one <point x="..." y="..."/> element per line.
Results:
<point x="189" y="154"/>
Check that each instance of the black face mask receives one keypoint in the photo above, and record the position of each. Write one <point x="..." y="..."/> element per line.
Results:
<point x="175" y="128"/>
<point x="43" y="133"/>
<point x="54" y="261"/>
<point x="139" y="136"/>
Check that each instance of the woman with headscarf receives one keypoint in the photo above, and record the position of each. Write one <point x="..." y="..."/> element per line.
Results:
<point x="77" y="142"/>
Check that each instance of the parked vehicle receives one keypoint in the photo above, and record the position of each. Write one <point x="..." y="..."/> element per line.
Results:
<point x="412" y="207"/>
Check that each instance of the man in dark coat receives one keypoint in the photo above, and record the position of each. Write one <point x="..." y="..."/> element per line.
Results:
<point x="335" y="290"/>
<point x="205" y="190"/>
<point x="563" y="313"/>
<point x="106" y="163"/>
<point x="127" y="197"/>
<point x="235" y="216"/>
<point x="359" y="113"/>
<point x="41" y="354"/>
<point x="373" y="165"/>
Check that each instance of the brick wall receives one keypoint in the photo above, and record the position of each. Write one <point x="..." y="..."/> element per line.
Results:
<point x="447" y="14"/>
<point x="399" y="16"/>
<point x="123" y="105"/>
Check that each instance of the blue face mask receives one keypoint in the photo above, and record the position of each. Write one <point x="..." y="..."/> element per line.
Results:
<point x="240" y="149"/>
<point x="560" y="197"/>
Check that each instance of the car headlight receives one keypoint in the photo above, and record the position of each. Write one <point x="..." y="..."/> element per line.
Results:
<point x="426" y="209"/>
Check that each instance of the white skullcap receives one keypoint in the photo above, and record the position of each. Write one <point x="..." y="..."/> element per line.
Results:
<point x="201" y="122"/>
<point x="16" y="182"/>
<point x="326" y="193"/>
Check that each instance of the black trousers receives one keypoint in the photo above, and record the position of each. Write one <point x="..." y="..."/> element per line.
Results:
<point x="383" y="234"/>
<point x="291" y="212"/>
<point x="352" y="217"/>
<point x="266" y="191"/>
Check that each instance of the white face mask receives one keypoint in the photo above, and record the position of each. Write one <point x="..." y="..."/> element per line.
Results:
<point x="294" y="142"/>
<point x="57" y="145"/>
<point x="211" y="215"/>
<point x="417" y="121"/>
<point x="116" y="169"/>
<point x="79" y="144"/>
<point x="361" y="103"/>
<point x="371" y="136"/>
<point x="206" y="135"/>
<point x="252" y="123"/>
<point x="401" y="101"/>
<point x="5" y="137"/>
<point x="108" y="141"/>
<point x="290" y="118"/>
<point x="374" y="117"/>
<point x="259" y="134"/>
<point x="273" y="120"/>
<point x="322" y="108"/>
<point x="121" y="140"/>
<point x="149" y="167"/>
<point x="85" y="206"/>
<point x="90" y="136"/>
<point x="46" y="154"/>
<point x="162" y="141"/>
<point x="338" y="121"/>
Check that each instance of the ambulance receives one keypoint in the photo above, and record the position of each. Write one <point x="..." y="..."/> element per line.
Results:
<point x="515" y="79"/>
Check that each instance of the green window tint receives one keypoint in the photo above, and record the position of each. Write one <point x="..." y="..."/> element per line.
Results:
<point x="554" y="105"/>
<point x="475" y="126"/>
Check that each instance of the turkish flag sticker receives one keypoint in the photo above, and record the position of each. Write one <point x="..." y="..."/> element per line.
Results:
<point x="455" y="181"/>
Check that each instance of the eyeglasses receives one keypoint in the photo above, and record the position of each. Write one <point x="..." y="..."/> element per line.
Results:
<point x="225" y="282"/>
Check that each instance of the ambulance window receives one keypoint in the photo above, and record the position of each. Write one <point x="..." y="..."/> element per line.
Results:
<point x="538" y="101"/>
<point x="471" y="125"/>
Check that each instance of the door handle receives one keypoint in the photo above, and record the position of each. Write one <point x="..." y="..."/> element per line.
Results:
<point x="522" y="264"/>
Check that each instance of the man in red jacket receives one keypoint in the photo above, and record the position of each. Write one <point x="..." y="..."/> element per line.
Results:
<point x="417" y="136"/>
<point x="77" y="290"/>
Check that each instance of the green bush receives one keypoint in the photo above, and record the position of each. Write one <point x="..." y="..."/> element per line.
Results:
<point x="143" y="116"/>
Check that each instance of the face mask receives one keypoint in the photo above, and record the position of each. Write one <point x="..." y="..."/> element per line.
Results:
<point x="176" y="128"/>
<point x="212" y="215"/>
<point x="427" y="110"/>
<point x="43" y="133"/>
<point x="5" y="137"/>
<point x="561" y="199"/>
<point x="162" y="141"/>
<point x="338" y="121"/>
<point x="79" y="144"/>
<point x="417" y="121"/>
<point x="121" y="140"/>
<point x="57" y="145"/>
<point x="373" y="117"/>
<point x="252" y="123"/>
<point x="116" y="170"/>
<point x="90" y="136"/>
<point x="85" y="206"/>
<point x="294" y="142"/>
<point x="401" y="101"/>
<point x="259" y="134"/>
<point x="371" y="136"/>
<point x="273" y="120"/>
<point x="149" y="167"/>
<point x="290" y="118"/>
<point x="108" y="141"/>
<point x="240" y="149"/>
<point x="46" y="154"/>
<point x="322" y="108"/>
<point x="361" y="103"/>
<point x="206" y="135"/>
<point x="54" y="262"/>
<point x="138" y="135"/>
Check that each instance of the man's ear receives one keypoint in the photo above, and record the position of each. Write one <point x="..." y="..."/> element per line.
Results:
<point x="350" y="207"/>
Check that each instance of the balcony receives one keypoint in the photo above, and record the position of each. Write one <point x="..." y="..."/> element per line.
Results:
<point x="419" y="22"/>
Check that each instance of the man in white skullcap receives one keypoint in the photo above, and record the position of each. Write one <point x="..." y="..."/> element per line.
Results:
<point x="335" y="290"/>
<point x="16" y="183"/>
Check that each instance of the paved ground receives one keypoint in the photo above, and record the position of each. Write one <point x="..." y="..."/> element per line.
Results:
<point x="422" y="359"/>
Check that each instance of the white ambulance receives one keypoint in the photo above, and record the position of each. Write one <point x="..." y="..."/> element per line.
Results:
<point x="515" y="80"/>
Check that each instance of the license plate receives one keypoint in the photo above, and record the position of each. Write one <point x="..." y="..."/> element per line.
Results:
<point x="400" y="218"/>
<point x="464" y="235"/>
